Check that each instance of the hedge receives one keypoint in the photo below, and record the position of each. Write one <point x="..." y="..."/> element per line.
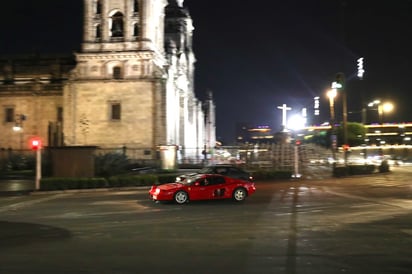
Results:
<point x="271" y="175"/>
<point x="341" y="171"/>
<point x="48" y="184"/>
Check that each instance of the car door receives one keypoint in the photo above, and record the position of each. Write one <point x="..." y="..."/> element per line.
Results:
<point x="201" y="189"/>
<point x="219" y="190"/>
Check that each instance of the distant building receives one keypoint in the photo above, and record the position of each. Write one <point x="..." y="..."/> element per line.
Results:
<point x="246" y="133"/>
<point x="131" y="85"/>
<point x="376" y="134"/>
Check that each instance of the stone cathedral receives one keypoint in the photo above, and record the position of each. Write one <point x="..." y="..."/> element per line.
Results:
<point x="131" y="85"/>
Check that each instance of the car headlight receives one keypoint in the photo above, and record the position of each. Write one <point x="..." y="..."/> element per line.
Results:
<point x="157" y="191"/>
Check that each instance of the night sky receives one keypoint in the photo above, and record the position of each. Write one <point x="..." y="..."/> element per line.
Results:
<point x="257" y="55"/>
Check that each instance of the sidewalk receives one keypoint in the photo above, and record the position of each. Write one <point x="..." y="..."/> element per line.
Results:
<point x="18" y="186"/>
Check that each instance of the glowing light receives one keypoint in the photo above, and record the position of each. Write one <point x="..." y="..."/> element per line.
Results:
<point x="361" y="70"/>
<point x="296" y="122"/>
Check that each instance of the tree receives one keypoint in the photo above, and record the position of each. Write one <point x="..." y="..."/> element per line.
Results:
<point x="356" y="134"/>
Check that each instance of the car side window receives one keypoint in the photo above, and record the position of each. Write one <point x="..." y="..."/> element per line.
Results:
<point x="222" y="170"/>
<point x="218" y="180"/>
<point x="233" y="171"/>
<point x="204" y="182"/>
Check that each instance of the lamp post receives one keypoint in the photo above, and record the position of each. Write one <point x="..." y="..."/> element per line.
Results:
<point x="339" y="84"/>
<point x="331" y="95"/>
<point x="382" y="107"/>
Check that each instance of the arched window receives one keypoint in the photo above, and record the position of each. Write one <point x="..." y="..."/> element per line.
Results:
<point x="98" y="32"/>
<point x="117" y="73"/>
<point x="99" y="7"/>
<point x="136" y="6"/>
<point x="117" y="25"/>
<point x="136" y="30"/>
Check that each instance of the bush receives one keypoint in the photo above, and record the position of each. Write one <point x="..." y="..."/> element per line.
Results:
<point x="384" y="166"/>
<point x="361" y="169"/>
<point x="134" y="180"/>
<point x="166" y="178"/>
<point x="110" y="164"/>
<point x="89" y="183"/>
<point x="20" y="162"/>
<point x="341" y="171"/>
<point x="72" y="183"/>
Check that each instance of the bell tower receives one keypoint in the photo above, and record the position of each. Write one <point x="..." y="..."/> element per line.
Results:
<point x="122" y="25"/>
<point x="116" y="93"/>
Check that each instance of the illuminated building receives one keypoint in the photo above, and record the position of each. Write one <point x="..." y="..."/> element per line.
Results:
<point x="130" y="85"/>
<point x="377" y="134"/>
<point x="254" y="134"/>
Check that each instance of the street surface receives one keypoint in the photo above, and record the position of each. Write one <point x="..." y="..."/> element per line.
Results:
<point x="359" y="224"/>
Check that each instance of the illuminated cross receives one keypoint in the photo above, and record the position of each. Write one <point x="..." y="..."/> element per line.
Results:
<point x="284" y="109"/>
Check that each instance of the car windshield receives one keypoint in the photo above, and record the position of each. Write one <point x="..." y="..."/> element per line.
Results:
<point x="206" y="170"/>
<point x="190" y="180"/>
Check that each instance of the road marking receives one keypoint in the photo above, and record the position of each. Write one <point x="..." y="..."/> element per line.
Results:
<point x="407" y="231"/>
<point x="21" y="205"/>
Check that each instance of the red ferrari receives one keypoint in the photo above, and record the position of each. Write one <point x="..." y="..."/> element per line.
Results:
<point x="203" y="187"/>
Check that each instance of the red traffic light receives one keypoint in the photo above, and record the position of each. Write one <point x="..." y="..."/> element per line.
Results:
<point x="298" y="142"/>
<point x="346" y="147"/>
<point x="35" y="143"/>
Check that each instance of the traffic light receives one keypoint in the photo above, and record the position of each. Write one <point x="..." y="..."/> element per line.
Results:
<point x="298" y="142"/>
<point x="346" y="147"/>
<point x="35" y="143"/>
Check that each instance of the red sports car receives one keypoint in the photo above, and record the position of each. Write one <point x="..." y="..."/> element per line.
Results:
<point x="203" y="187"/>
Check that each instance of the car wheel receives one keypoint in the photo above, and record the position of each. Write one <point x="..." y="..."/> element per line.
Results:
<point x="239" y="194"/>
<point x="181" y="197"/>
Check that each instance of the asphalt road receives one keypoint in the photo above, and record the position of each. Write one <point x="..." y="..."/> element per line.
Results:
<point x="347" y="225"/>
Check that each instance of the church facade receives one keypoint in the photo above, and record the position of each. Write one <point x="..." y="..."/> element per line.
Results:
<point x="131" y="85"/>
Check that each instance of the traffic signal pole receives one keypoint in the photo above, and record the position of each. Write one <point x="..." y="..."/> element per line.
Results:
<point x="345" y="125"/>
<point x="340" y="85"/>
<point x="36" y="145"/>
<point x="38" y="168"/>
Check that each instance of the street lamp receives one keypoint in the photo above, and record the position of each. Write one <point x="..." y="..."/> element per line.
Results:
<point x="331" y="95"/>
<point x="339" y="84"/>
<point x="383" y="107"/>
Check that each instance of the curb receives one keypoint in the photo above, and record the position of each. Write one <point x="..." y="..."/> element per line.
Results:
<point x="74" y="191"/>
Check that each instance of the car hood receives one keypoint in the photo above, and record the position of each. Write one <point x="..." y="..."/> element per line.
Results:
<point x="170" y="186"/>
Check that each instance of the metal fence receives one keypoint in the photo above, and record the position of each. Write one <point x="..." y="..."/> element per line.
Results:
<point x="274" y="156"/>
